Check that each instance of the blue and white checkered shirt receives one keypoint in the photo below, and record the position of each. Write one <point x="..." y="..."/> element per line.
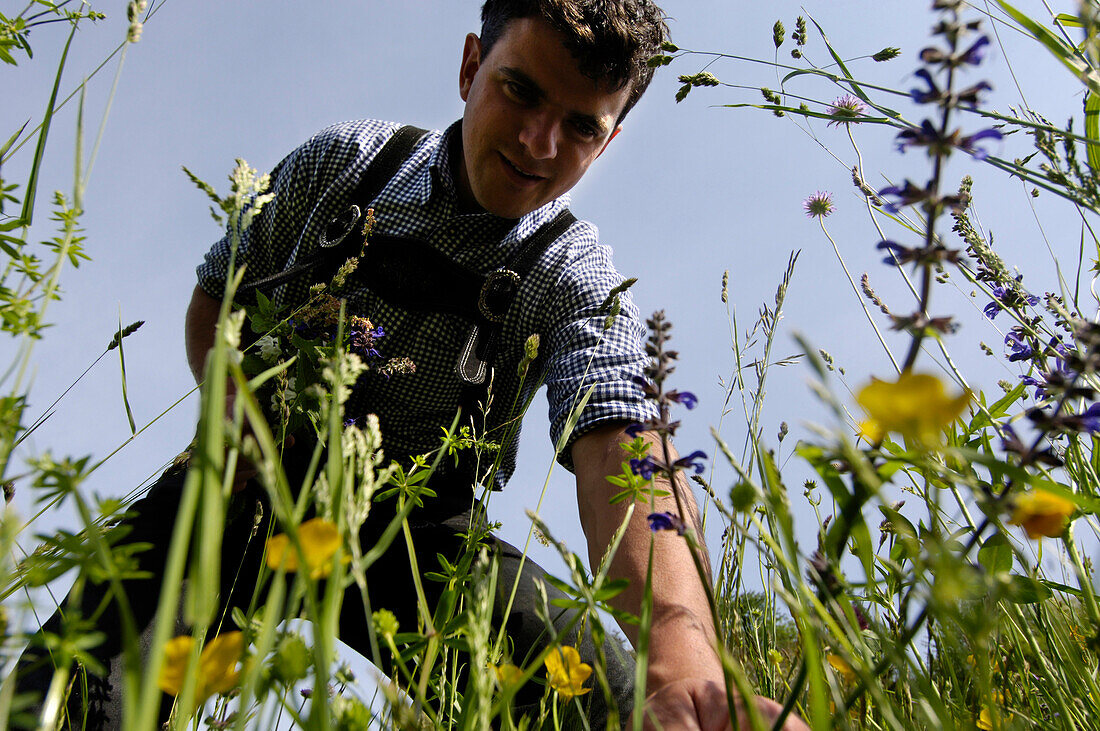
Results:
<point x="559" y="299"/>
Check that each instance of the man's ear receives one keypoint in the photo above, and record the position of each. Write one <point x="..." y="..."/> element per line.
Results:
<point x="614" y="134"/>
<point x="471" y="62"/>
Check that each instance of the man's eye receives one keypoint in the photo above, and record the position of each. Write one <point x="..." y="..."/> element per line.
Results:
<point x="585" y="130"/>
<point x="518" y="91"/>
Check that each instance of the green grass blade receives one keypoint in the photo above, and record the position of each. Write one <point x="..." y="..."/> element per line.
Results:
<point x="1092" y="129"/>
<point x="1057" y="47"/>
<point x="840" y="63"/>
<point x="36" y="164"/>
<point x="122" y="369"/>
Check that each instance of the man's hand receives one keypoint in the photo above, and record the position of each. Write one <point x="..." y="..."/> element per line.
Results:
<point x="697" y="704"/>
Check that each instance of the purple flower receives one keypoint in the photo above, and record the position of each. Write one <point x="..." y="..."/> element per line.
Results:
<point x="686" y="398"/>
<point x="976" y="53"/>
<point x="1090" y="419"/>
<point x="694" y="461"/>
<point x="922" y="136"/>
<point x="1008" y="297"/>
<point x="665" y="521"/>
<point x="1040" y="386"/>
<point x="967" y="144"/>
<point x="925" y="96"/>
<point x="644" y="467"/>
<point x="845" y="109"/>
<point x="905" y="195"/>
<point x="819" y="204"/>
<point x="1020" y="349"/>
<point x="633" y="430"/>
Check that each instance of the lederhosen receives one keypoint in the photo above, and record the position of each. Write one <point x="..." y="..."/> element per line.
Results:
<point x="411" y="274"/>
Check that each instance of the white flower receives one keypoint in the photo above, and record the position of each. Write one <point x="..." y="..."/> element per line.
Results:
<point x="269" y="348"/>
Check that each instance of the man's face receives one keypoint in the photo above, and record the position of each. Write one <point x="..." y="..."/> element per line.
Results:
<point x="533" y="123"/>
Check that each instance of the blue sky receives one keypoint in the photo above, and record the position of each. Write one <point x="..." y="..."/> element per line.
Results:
<point x="686" y="192"/>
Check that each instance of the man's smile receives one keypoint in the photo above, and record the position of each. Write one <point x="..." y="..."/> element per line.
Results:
<point x="520" y="171"/>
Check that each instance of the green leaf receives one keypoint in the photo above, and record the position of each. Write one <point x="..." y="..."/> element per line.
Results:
<point x="1092" y="130"/>
<point x="840" y="64"/>
<point x="995" y="555"/>
<point x="1057" y="47"/>
<point x="1025" y="590"/>
<point x="1071" y="21"/>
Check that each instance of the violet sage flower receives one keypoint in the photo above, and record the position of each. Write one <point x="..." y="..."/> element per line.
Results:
<point x="665" y="521"/>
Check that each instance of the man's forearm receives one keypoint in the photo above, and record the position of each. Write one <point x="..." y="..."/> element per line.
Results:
<point x="684" y="643"/>
<point x="199" y="327"/>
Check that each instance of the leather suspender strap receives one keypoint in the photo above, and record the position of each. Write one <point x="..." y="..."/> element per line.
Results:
<point x="337" y="243"/>
<point x="498" y="290"/>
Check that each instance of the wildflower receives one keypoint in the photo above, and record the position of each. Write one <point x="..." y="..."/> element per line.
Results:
<point x="320" y="540"/>
<point x="217" y="671"/>
<point x="644" y="467"/>
<point x="269" y="348"/>
<point x="665" y="521"/>
<point x="633" y="430"/>
<point x="925" y="96"/>
<point x="685" y="398"/>
<point x="1041" y="513"/>
<point x="969" y="144"/>
<point x="916" y="406"/>
<point x="818" y="205"/>
<point x="845" y="109"/>
<point x="984" y="722"/>
<point x="906" y="195"/>
<point x="508" y="674"/>
<point x="1007" y="297"/>
<point x="934" y="95"/>
<point x="1020" y="348"/>
<point x="694" y="461"/>
<point x="385" y="622"/>
<point x="842" y="667"/>
<point x="899" y="255"/>
<point x="566" y="672"/>
<point x="941" y="144"/>
<point x="775" y="656"/>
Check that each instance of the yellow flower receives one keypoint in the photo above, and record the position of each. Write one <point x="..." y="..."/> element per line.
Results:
<point x="320" y="541"/>
<point x="566" y="672"/>
<point x="775" y="656"/>
<point x="842" y="667"/>
<point x="508" y="674"/>
<point x="985" y="721"/>
<point x="916" y="406"/>
<point x="1041" y="513"/>
<point x="217" y="671"/>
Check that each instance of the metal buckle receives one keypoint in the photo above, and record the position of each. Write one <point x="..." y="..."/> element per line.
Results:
<point x="497" y="284"/>
<point x="338" y="228"/>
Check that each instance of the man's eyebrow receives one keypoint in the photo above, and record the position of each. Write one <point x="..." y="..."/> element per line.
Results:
<point x="536" y="92"/>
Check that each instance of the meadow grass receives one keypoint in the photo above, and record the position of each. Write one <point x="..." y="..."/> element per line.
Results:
<point x="924" y="599"/>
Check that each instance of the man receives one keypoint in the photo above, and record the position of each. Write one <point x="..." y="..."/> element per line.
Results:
<point x="546" y="86"/>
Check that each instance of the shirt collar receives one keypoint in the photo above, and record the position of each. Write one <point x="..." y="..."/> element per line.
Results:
<point x="441" y="173"/>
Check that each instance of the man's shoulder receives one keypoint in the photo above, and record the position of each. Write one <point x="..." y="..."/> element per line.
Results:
<point x="354" y="137"/>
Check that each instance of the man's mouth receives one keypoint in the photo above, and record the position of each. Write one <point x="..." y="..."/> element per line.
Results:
<point x="520" y="171"/>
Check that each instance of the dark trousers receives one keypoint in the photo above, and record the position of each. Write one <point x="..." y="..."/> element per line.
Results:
<point x="436" y="530"/>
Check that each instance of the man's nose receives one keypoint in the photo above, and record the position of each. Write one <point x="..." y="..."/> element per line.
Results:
<point x="539" y="136"/>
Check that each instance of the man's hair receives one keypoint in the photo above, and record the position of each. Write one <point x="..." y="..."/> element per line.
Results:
<point x="611" y="40"/>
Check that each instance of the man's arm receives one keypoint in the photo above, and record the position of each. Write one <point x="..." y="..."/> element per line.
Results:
<point x="684" y="676"/>
<point x="199" y="329"/>
<point x="202" y="319"/>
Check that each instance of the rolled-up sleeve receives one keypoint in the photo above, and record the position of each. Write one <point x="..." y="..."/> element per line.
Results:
<point x="586" y="355"/>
